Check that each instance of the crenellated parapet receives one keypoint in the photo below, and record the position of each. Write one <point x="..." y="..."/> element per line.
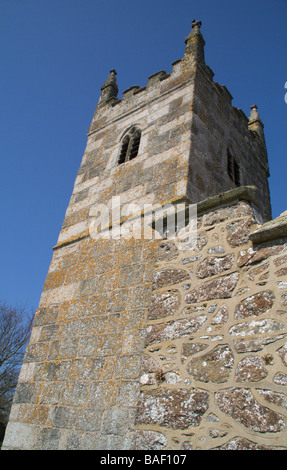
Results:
<point x="192" y="74"/>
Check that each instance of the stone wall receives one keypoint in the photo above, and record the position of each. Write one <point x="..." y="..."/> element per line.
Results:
<point x="159" y="173"/>
<point x="218" y="128"/>
<point x="214" y="372"/>
<point x="79" y="381"/>
<point x="142" y="345"/>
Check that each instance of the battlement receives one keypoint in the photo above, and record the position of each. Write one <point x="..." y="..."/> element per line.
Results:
<point x="185" y="115"/>
<point x="136" y="96"/>
<point x="185" y="71"/>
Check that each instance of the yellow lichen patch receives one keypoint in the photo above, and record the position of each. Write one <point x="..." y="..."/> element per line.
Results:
<point x="55" y="279"/>
<point x="76" y="217"/>
<point x="33" y="414"/>
<point x="70" y="310"/>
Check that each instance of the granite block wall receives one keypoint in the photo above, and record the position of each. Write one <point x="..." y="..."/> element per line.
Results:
<point x="214" y="369"/>
<point x="142" y="345"/>
<point x="79" y="380"/>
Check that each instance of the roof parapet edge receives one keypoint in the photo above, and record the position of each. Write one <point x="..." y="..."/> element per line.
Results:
<point x="247" y="193"/>
<point x="272" y="230"/>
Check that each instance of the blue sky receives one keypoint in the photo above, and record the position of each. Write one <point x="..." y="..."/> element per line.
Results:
<point x="56" y="54"/>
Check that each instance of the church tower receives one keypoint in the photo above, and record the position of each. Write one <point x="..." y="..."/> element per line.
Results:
<point x="122" y="322"/>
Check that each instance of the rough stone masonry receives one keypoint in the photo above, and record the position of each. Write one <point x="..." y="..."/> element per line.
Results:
<point x="140" y="344"/>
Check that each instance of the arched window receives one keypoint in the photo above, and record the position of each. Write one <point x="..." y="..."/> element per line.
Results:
<point x="233" y="168"/>
<point x="130" y="145"/>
